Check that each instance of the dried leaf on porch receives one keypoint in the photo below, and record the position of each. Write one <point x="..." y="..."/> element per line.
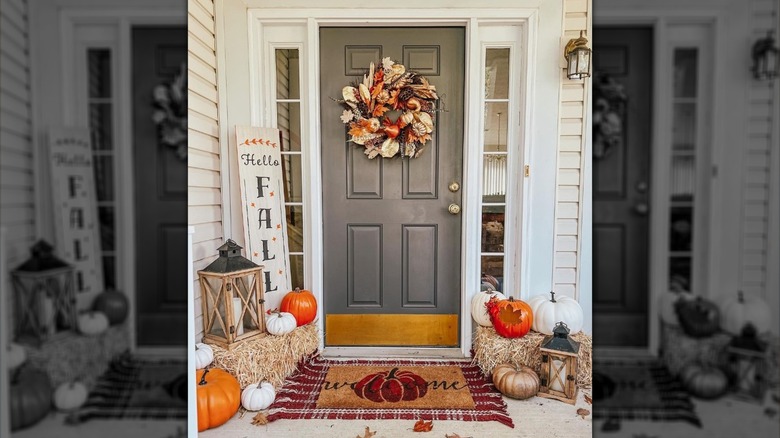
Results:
<point x="260" y="419"/>
<point x="455" y="435"/>
<point x="423" y="426"/>
<point x="588" y="400"/>
<point x="367" y="434"/>
<point x="583" y="412"/>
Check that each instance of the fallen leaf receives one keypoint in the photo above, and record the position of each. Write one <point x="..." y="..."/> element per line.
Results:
<point x="455" y="435"/>
<point x="367" y="434"/>
<point x="588" y="399"/>
<point x="423" y="426"/>
<point x="260" y="419"/>
<point x="583" y="412"/>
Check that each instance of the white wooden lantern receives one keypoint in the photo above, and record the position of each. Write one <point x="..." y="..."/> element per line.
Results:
<point x="558" y="375"/>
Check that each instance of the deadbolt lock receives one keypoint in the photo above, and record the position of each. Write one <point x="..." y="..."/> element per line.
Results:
<point x="454" y="186"/>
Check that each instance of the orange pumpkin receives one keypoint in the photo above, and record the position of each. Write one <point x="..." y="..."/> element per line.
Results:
<point x="511" y="318"/>
<point x="219" y="397"/>
<point x="302" y="305"/>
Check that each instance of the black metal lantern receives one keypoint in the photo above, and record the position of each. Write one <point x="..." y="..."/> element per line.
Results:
<point x="558" y="377"/>
<point x="748" y="365"/>
<point x="577" y="54"/>
<point x="766" y="62"/>
<point x="232" y="298"/>
<point x="44" y="296"/>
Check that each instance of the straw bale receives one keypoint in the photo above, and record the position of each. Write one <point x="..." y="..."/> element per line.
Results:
<point x="491" y="349"/>
<point x="71" y="356"/>
<point x="271" y="358"/>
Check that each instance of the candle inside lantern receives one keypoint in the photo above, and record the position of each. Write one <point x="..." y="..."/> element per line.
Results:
<point x="237" y="315"/>
<point x="47" y="315"/>
<point x="559" y="368"/>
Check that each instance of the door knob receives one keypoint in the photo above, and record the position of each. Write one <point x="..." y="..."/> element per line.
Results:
<point x="454" y="208"/>
<point x="454" y="186"/>
<point x="641" y="208"/>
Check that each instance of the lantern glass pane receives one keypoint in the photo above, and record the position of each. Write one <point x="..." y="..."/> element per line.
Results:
<point x="221" y="312"/>
<point x="244" y="300"/>
<point x="497" y="73"/>
<point x="583" y="61"/>
<point x="558" y="374"/>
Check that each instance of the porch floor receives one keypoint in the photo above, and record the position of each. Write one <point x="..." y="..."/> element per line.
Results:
<point x="535" y="417"/>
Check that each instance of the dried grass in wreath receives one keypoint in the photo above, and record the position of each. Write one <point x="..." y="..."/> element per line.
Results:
<point x="270" y="358"/>
<point x="490" y="349"/>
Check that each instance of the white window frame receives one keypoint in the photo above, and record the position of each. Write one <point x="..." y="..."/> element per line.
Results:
<point x="537" y="207"/>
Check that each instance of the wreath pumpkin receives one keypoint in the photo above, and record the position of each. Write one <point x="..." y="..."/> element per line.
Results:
<point x="390" y="88"/>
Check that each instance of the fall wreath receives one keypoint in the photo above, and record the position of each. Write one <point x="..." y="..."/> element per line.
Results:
<point x="390" y="88"/>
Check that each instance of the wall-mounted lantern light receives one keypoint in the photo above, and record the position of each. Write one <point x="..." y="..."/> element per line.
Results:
<point x="577" y="54"/>
<point x="766" y="62"/>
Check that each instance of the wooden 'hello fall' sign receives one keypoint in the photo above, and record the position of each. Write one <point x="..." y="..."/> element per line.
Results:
<point x="262" y="205"/>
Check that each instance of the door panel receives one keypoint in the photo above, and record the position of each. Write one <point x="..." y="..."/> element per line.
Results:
<point x="621" y="191"/>
<point x="391" y="246"/>
<point x="160" y="195"/>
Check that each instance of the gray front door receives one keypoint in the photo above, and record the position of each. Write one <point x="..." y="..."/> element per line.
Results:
<point x="391" y="247"/>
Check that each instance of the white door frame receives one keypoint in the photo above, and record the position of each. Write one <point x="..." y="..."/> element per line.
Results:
<point x="120" y="19"/>
<point x="531" y="130"/>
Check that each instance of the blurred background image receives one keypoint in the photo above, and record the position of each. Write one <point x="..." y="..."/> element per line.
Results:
<point x="685" y="218"/>
<point x="93" y="157"/>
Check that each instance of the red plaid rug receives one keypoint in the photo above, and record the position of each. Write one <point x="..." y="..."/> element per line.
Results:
<point x="298" y="397"/>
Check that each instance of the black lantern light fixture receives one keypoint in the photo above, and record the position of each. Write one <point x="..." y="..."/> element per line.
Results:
<point x="558" y="376"/>
<point x="577" y="54"/>
<point x="44" y="296"/>
<point x="766" y="62"/>
<point x="748" y="365"/>
<point x="232" y="298"/>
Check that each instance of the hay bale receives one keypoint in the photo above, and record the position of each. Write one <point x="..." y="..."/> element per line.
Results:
<point x="72" y="356"/>
<point x="491" y="349"/>
<point x="270" y="358"/>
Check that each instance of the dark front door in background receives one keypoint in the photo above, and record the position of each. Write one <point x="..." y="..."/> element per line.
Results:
<point x="160" y="195"/>
<point x="621" y="185"/>
<point x="391" y="248"/>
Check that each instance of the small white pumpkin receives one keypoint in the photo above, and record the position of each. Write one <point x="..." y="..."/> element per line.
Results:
<point x="204" y="355"/>
<point x="737" y="311"/>
<point x="280" y="323"/>
<point x="258" y="396"/>
<point x="93" y="323"/>
<point x="666" y="305"/>
<point x="478" y="310"/>
<point x="70" y="395"/>
<point x="17" y="355"/>
<point x="550" y="311"/>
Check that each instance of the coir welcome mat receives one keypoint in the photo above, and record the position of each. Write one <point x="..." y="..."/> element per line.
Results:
<point x="389" y="390"/>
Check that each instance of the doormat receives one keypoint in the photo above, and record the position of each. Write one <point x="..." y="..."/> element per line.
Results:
<point x="137" y="388"/>
<point x="389" y="390"/>
<point x="639" y="389"/>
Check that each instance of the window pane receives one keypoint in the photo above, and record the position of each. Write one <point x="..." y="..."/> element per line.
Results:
<point x="109" y="272"/>
<point x="295" y="228"/>
<point x="683" y="180"/>
<point x="680" y="273"/>
<point x="106" y="219"/>
<point x="495" y="126"/>
<point x="99" y="62"/>
<point x="497" y="73"/>
<point x="681" y="233"/>
<point x="291" y="171"/>
<point x="494" y="266"/>
<point x="494" y="178"/>
<point x="296" y="271"/>
<point x="100" y="125"/>
<point x="493" y="228"/>
<point x="685" y="71"/>
<point x="287" y="82"/>
<point x="684" y="126"/>
<point x="288" y="119"/>
<point x="104" y="177"/>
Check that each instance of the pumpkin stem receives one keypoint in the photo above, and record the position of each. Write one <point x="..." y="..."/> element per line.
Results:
<point x="511" y="299"/>
<point x="297" y="290"/>
<point x="203" y="378"/>
<point x="552" y="294"/>
<point x="392" y="373"/>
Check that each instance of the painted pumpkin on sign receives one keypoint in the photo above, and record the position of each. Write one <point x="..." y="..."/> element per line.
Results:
<point x="203" y="355"/>
<point x="737" y="311"/>
<point x="478" y="309"/>
<point x="511" y="318"/>
<point x="516" y="382"/>
<point x="302" y="305"/>
<point x="258" y="396"/>
<point x="219" y="397"/>
<point x="113" y="304"/>
<point x="29" y="398"/>
<point x="391" y="386"/>
<point x="549" y="311"/>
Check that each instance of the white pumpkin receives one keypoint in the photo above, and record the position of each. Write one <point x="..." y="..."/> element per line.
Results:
<point x="93" y="323"/>
<point x="550" y="311"/>
<point x="258" y="396"/>
<point x="70" y="395"/>
<point x="478" y="310"/>
<point x="203" y="355"/>
<point x="280" y="323"/>
<point x="737" y="311"/>
<point x="666" y="305"/>
<point x="17" y="355"/>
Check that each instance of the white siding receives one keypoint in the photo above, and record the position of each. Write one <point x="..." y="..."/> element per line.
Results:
<point x="205" y="197"/>
<point x="756" y="165"/>
<point x="571" y="153"/>
<point x="17" y="208"/>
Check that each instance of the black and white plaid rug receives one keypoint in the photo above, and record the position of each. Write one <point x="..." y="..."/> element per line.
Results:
<point x="135" y="388"/>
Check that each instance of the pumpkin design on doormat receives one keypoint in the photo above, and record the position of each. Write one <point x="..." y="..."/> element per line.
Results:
<point x="391" y="87"/>
<point x="391" y="386"/>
